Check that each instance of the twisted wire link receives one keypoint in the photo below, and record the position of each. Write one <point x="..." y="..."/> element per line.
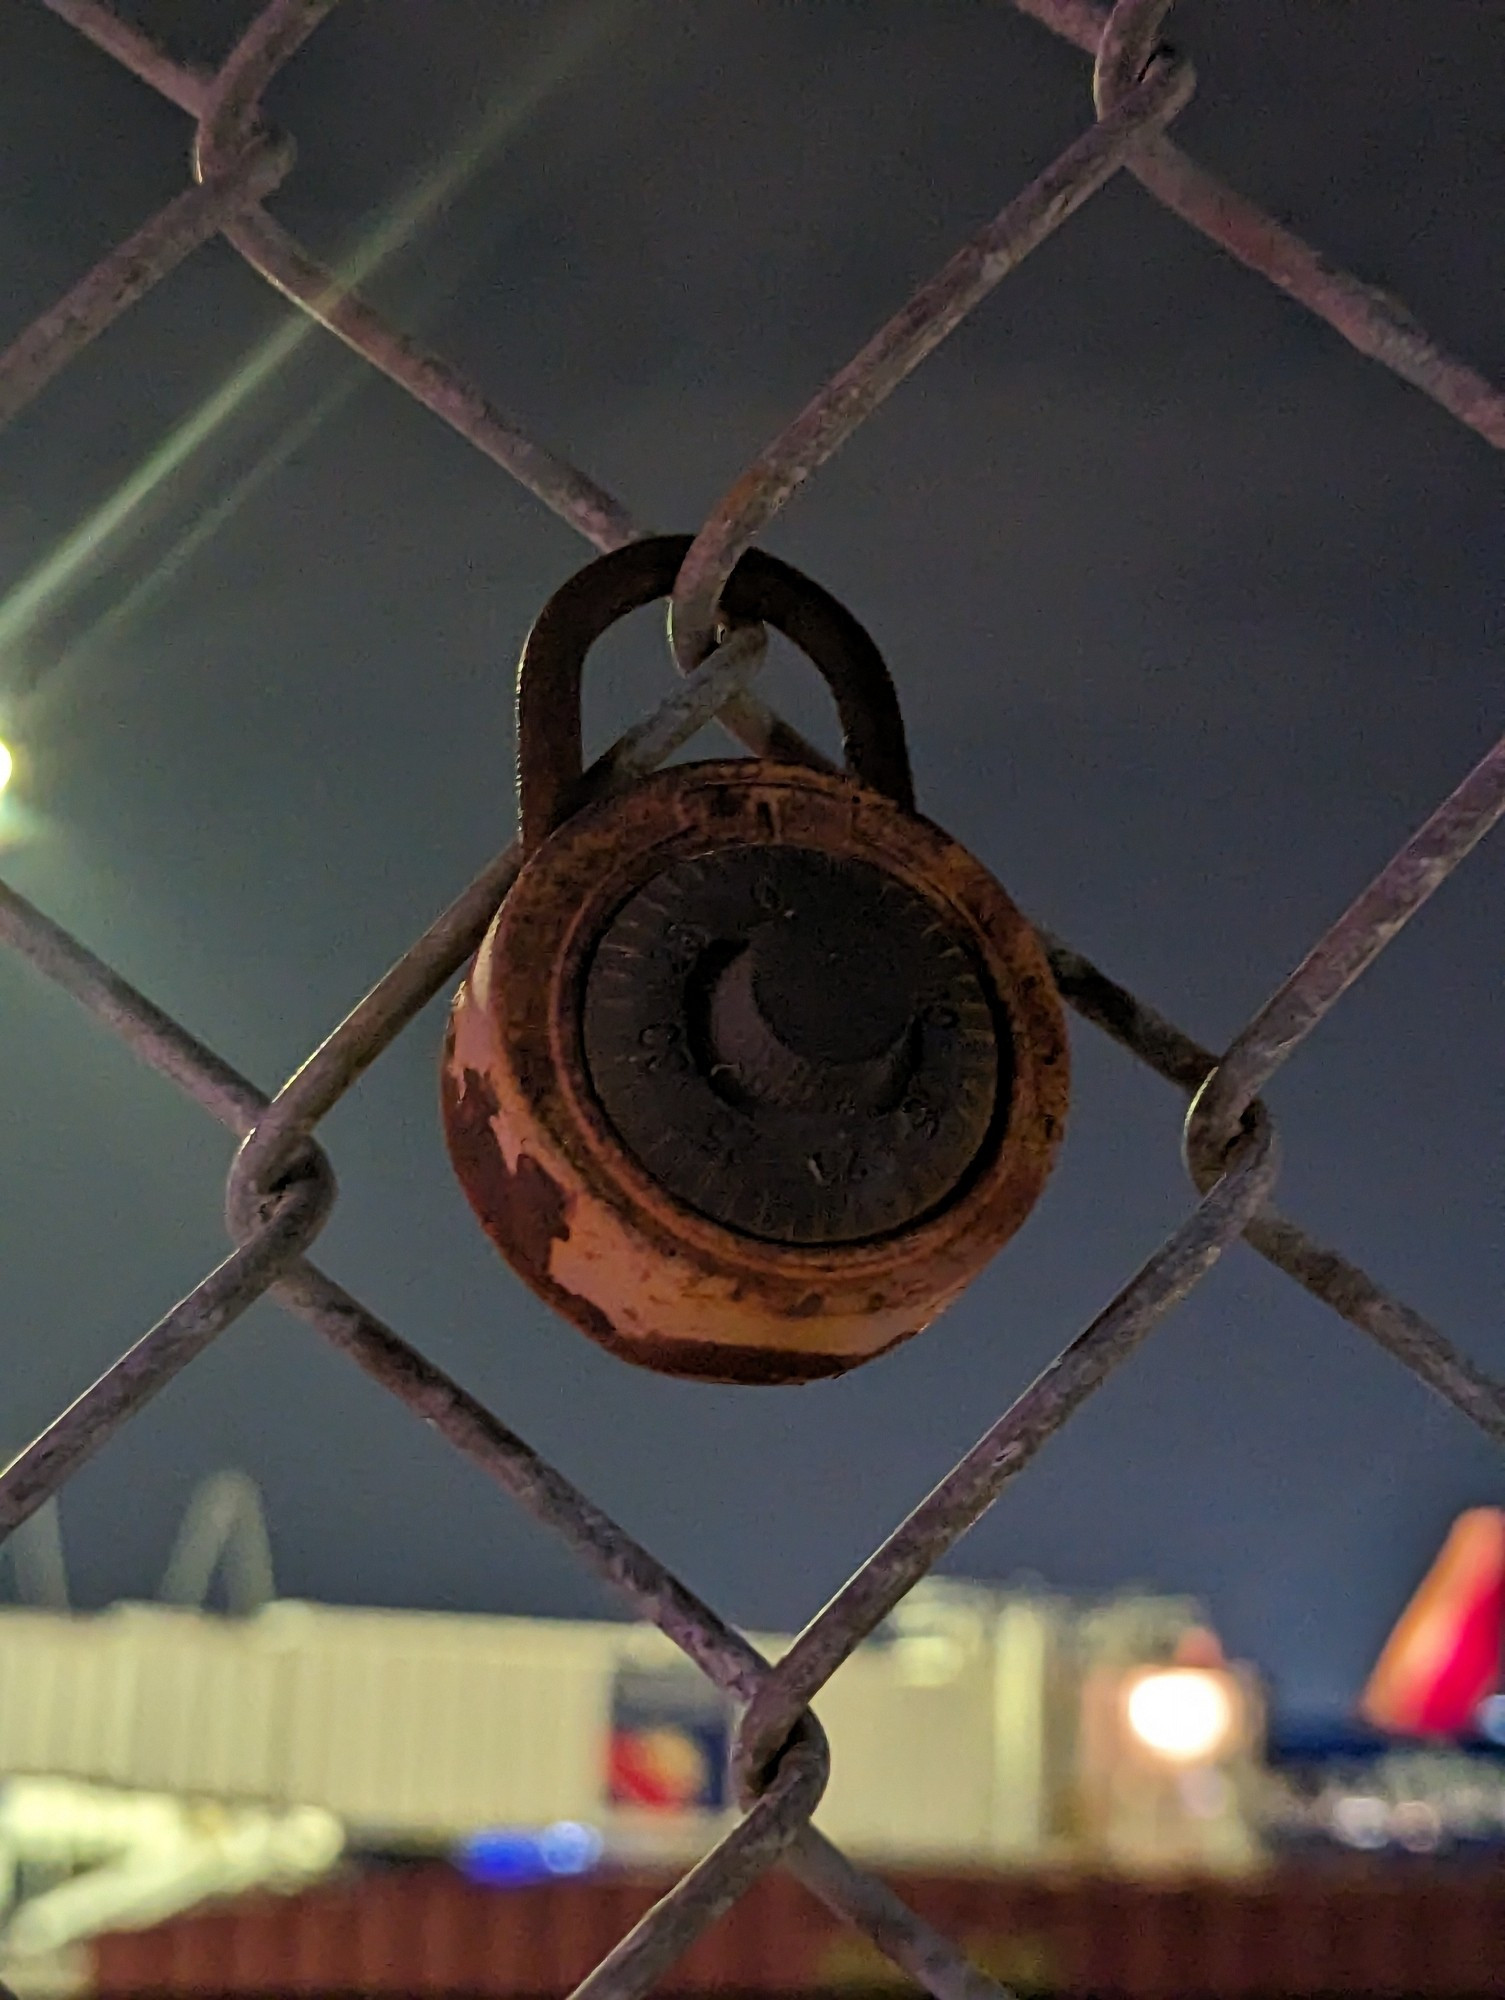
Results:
<point x="1373" y="322"/>
<point x="313" y="287"/>
<point x="1325" y="1273"/>
<point x="280" y="1187"/>
<point x="1125" y="48"/>
<point x="293" y="1219"/>
<point x="773" y="1823"/>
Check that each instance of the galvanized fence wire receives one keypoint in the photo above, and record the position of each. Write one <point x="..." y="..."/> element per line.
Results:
<point x="281" y="1187"/>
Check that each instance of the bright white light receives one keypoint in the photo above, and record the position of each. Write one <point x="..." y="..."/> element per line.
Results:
<point x="7" y="765"/>
<point x="1361" y="1821"/>
<point x="567" y="1848"/>
<point x="1182" y="1713"/>
<point x="1417" y="1826"/>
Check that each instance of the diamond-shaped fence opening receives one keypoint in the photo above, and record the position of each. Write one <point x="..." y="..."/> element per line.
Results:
<point x="280" y="1187"/>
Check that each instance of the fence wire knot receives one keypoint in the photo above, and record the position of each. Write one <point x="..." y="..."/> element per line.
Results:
<point x="281" y="1187"/>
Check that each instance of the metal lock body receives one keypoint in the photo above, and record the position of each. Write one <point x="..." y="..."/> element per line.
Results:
<point x="756" y="1068"/>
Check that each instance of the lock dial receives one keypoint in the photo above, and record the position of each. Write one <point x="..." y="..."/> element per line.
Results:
<point x="797" y="1045"/>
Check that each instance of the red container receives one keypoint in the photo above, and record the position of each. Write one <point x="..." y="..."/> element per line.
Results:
<point x="1326" y="1930"/>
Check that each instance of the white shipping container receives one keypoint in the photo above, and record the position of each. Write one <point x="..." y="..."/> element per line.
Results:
<point x="427" y="1727"/>
<point x="953" y="1731"/>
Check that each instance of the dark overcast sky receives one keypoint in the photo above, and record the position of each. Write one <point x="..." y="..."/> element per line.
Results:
<point x="1194" y="615"/>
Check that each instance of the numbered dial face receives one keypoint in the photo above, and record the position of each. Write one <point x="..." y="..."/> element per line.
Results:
<point x="799" y="1047"/>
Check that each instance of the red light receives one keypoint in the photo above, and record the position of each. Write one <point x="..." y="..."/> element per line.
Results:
<point x="1443" y="1658"/>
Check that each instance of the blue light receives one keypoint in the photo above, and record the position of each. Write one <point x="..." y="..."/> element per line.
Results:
<point x="1490" y="1718"/>
<point x="501" y="1858"/>
<point x="568" y="1848"/>
<point x="511" y="1857"/>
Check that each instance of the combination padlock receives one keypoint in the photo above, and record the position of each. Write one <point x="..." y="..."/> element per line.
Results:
<point x="755" y="1068"/>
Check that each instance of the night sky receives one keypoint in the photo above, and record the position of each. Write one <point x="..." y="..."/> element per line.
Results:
<point x="1194" y="615"/>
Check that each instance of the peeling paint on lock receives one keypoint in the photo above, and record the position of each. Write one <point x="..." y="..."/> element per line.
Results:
<point x="726" y="1116"/>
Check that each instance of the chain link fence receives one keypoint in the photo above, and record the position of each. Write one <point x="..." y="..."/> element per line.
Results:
<point x="281" y="1189"/>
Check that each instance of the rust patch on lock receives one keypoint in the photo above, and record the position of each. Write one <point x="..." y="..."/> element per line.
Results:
<point x="712" y="1361"/>
<point x="530" y="1207"/>
<point x="528" y="1210"/>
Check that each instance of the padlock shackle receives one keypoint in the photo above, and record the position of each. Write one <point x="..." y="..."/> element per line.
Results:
<point x="761" y="589"/>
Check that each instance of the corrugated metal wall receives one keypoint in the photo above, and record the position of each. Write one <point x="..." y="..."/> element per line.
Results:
<point x="204" y="1711"/>
<point x="1420" y="1932"/>
<point x="424" y="1727"/>
<point x="911" y="1770"/>
<point x="410" y="1724"/>
<point x="66" y="1706"/>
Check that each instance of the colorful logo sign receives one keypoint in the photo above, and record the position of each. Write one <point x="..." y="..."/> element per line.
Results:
<point x="669" y="1744"/>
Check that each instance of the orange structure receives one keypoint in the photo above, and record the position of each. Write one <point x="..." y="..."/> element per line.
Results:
<point x="1443" y="1657"/>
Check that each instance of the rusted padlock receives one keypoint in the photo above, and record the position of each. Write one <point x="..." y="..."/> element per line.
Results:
<point x="755" y="1068"/>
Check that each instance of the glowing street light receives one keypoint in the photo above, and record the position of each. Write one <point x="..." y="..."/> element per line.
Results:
<point x="7" y="765"/>
<point x="1185" y="1714"/>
